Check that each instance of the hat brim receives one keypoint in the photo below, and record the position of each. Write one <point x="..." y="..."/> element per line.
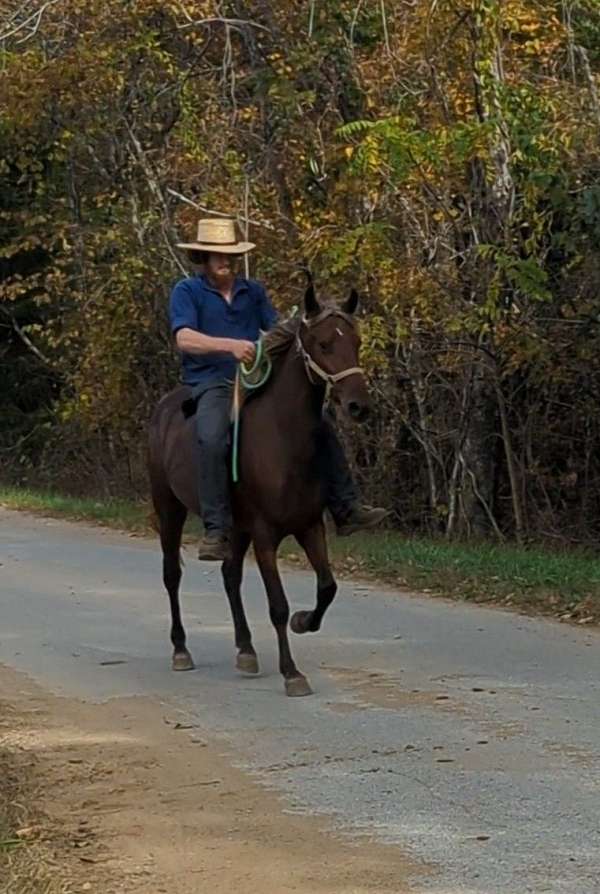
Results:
<point x="238" y="248"/>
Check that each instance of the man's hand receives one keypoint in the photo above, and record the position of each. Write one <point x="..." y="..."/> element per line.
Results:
<point x="243" y="351"/>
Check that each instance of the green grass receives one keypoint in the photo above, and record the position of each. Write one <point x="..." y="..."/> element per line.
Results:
<point x="121" y="514"/>
<point x="563" y="583"/>
<point x="567" y="572"/>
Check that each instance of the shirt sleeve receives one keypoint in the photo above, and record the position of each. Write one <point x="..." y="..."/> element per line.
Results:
<point x="268" y="314"/>
<point x="183" y="312"/>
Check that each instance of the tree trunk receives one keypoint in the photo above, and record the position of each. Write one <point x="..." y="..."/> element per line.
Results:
<point x="477" y="455"/>
<point x="492" y="199"/>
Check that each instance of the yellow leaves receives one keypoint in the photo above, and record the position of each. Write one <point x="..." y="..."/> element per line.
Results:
<point x="103" y="199"/>
<point x="375" y="339"/>
<point x="534" y="47"/>
<point x="395" y="189"/>
<point x="530" y="27"/>
<point x="249" y="113"/>
<point x="534" y="30"/>
<point x="20" y="245"/>
<point x="463" y="104"/>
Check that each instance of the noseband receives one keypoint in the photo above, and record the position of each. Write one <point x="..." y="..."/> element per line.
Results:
<point x="311" y="365"/>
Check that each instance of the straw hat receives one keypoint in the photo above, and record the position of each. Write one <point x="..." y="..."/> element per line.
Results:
<point x="220" y="235"/>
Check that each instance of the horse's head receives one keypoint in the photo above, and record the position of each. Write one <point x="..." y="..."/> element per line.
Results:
<point x="329" y="342"/>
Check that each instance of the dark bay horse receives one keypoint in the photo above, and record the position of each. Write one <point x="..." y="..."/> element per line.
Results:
<point x="280" y="491"/>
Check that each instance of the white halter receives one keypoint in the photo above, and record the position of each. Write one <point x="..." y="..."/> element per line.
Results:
<point x="311" y="365"/>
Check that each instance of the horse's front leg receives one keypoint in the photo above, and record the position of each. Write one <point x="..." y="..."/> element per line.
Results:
<point x="265" y="548"/>
<point x="314" y="543"/>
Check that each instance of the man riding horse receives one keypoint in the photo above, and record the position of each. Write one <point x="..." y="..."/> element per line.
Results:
<point x="216" y="318"/>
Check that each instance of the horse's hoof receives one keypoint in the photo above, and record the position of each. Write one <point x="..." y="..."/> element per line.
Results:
<point x="299" y="622"/>
<point x="246" y="663"/>
<point x="297" y="686"/>
<point x="182" y="661"/>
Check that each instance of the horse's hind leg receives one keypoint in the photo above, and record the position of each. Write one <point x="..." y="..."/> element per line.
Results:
<point x="266" y="556"/>
<point x="171" y="515"/>
<point x="314" y="543"/>
<point x="246" y="660"/>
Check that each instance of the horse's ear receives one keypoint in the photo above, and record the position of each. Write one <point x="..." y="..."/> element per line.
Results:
<point x="311" y="305"/>
<point x="349" y="307"/>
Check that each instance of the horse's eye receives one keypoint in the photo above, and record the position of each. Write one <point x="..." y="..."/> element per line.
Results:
<point x="325" y="346"/>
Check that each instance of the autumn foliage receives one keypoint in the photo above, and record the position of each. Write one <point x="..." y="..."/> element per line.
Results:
<point x="442" y="157"/>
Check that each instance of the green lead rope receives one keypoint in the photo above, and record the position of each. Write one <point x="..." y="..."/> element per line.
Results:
<point x="247" y="379"/>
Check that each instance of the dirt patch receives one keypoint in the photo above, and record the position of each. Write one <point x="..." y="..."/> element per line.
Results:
<point x="380" y="690"/>
<point x="123" y="796"/>
<point x="27" y="854"/>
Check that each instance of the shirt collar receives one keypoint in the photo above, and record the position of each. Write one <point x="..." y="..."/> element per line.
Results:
<point x="239" y="285"/>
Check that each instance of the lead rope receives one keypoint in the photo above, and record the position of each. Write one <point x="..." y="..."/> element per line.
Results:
<point x="244" y="380"/>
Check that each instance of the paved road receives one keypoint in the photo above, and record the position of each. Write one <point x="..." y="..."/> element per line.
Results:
<point x="466" y="736"/>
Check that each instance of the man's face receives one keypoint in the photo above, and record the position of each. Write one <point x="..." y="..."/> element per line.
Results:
<point x="221" y="266"/>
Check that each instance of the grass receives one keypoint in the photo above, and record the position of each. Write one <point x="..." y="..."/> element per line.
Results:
<point x="121" y="514"/>
<point x="533" y="579"/>
<point x="562" y="583"/>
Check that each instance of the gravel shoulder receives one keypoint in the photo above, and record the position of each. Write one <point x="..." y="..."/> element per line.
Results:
<point x="121" y="796"/>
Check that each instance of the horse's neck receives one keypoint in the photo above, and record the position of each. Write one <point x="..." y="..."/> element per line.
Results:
<point x="294" y="396"/>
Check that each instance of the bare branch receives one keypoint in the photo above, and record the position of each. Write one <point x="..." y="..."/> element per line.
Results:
<point x="17" y="12"/>
<point x="35" y="17"/>
<point x="354" y="21"/>
<point x="487" y="509"/>
<point x="154" y="185"/>
<point x="386" y="35"/>
<point x="311" y="19"/>
<point x="229" y="68"/>
<point x="220" y="20"/>
<point x="589" y="76"/>
<point x="246" y="224"/>
<point x="203" y="208"/>
<point x="25" y="338"/>
<point x="567" y="14"/>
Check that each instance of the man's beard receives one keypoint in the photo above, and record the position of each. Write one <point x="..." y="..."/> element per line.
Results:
<point x="224" y="273"/>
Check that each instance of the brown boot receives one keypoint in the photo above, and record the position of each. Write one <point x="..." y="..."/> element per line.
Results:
<point x="359" y="518"/>
<point x="214" y="547"/>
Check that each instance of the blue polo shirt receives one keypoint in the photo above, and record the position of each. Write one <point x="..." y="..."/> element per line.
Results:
<point x="196" y="304"/>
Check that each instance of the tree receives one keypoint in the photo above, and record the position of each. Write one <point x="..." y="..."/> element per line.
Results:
<point x="440" y="156"/>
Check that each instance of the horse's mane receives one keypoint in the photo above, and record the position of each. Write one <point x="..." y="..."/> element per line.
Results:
<point x="280" y="337"/>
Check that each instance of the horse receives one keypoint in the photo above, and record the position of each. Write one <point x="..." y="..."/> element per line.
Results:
<point x="280" y="489"/>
